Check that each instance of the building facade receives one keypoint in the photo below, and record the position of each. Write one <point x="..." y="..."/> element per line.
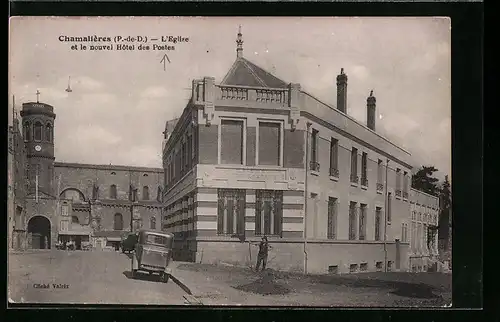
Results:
<point x="254" y="156"/>
<point x="424" y="250"/>
<point x="56" y="201"/>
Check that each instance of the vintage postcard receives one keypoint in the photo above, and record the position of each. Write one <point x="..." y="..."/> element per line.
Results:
<point x="230" y="161"/>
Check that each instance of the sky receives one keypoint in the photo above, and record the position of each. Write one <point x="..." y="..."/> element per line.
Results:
<point x="120" y="101"/>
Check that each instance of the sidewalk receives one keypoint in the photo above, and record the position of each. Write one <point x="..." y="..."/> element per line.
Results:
<point x="226" y="285"/>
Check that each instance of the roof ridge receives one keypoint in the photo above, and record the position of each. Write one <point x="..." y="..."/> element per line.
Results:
<point x="233" y="67"/>
<point x="260" y="80"/>
<point x="264" y="70"/>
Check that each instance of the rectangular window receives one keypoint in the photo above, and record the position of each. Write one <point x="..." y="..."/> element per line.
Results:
<point x="352" y="221"/>
<point x="398" y="182"/>
<point x="268" y="212"/>
<point x="64" y="225"/>
<point x="231" y="212"/>
<point x="64" y="210"/>
<point x="389" y="207"/>
<point x="231" y="142"/>
<point x="378" y="222"/>
<point x="189" y="151"/>
<point x="364" y="165"/>
<point x="380" y="171"/>
<point x="183" y="160"/>
<point x="332" y="218"/>
<point x="334" y="157"/>
<point x="354" y="165"/>
<point x="314" y="150"/>
<point x="362" y="222"/>
<point x="269" y="143"/>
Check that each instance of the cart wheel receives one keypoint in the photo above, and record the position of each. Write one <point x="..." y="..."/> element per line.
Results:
<point x="164" y="277"/>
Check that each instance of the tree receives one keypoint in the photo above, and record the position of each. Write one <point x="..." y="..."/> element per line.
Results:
<point x="423" y="180"/>
<point x="445" y="211"/>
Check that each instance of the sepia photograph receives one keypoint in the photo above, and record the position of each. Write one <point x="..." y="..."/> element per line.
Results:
<point x="235" y="161"/>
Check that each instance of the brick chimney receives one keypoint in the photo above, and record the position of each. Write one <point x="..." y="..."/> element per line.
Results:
<point x="342" y="91"/>
<point x="371" y="111"/>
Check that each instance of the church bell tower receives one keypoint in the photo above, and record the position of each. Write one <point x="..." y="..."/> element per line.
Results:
<point x="38" y="134"/>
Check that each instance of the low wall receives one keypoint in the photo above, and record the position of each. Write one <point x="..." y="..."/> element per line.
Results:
<point x="289" y="256"/>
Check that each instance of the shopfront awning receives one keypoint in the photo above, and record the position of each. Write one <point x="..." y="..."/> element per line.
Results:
<point x="74" y="233"/>
<point x="113" y="239"/>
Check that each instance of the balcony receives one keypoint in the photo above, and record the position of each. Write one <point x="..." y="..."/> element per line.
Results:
<point x="354" y="179"/>
<point x="334" y="172"/>
<point x="398" y="193"/>
<point x="380" y="187"/>
<point x="405" y="195"/>
<point x="277" y="96"/>
<point x="314" y="166"/>
<point x="364" y="182"/>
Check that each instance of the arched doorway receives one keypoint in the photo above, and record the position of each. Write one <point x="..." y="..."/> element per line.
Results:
<point x="39" y="230"/>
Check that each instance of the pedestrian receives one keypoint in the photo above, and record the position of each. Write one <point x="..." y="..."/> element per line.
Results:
<point x="263" y="252"/>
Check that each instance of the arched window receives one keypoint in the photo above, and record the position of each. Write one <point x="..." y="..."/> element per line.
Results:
<point x="38" y="131"/>
<point x="158" y="193"/>
<point x="75" y="220"/>
<point x="73" y="194"/>
<point x="145" y="193"/>
<point x="112" y="191"/>
<point x="48" y="132"/>
<point x="27" y="131"/>
<point x="118" y="222"/>
<point x="152" y="224"/>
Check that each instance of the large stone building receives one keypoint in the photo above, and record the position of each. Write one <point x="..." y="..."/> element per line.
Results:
<point x="254" y="155"/>
<point x="55" y="201"/>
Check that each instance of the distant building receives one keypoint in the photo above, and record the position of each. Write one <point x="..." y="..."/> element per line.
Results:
<point x="56" y="201"/>
<point x="253" y="156"/>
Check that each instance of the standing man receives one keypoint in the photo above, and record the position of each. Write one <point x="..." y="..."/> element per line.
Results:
<point x="263" y="251"/>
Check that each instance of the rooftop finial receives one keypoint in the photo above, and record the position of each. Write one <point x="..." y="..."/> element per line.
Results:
<point x="37" y="96"/>
<point x="371" y="93"/>
<point x="342" y="71"/>
<point x="239" y="44"/>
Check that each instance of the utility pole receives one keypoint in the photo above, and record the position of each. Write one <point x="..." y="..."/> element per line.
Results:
<point x="386" y="213"/>
<point x="308" y="124"/>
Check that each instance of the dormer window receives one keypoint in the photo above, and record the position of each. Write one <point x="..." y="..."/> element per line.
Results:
<point x="145" y="175"/>
<point x="113" y="173"/>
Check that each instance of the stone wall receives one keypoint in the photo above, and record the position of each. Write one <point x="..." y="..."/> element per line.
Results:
<point x="289" y="256"/>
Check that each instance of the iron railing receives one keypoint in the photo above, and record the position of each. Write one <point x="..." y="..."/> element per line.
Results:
<point x="364" y="182"/>
<point x="354" y="178"/>
<point x="314" y="166"/>
<point x="334" y="172"/>
<point x="380" y="187"/>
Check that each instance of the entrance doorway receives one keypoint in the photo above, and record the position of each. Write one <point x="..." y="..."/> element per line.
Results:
<point x="39" y="227"/>
<point x="78" y="242"/>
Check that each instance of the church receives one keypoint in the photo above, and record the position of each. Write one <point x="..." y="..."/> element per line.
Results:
<point x="52" y="202"/>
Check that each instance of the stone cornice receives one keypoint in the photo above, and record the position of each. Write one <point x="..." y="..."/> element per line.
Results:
<point x="106" y="167"/>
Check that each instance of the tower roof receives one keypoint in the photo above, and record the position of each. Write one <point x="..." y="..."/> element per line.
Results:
<point x="245" y="73"/>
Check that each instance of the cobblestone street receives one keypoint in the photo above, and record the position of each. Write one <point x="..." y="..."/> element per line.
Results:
<point x="84" y="278"/>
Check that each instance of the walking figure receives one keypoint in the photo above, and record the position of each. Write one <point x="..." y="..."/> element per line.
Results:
<point x="263" y="251"/>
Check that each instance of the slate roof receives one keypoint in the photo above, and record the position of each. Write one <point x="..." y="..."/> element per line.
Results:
<point x="245" y="73"/>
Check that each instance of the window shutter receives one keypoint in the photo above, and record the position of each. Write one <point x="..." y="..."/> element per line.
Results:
<point x="231" y="205"/>
<point x="241" y="213"/>
<point x="220" y="215"/>
<point x="278" y="213"/>
<point x="330" y="218"/>
<point x="258" y="213"/>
